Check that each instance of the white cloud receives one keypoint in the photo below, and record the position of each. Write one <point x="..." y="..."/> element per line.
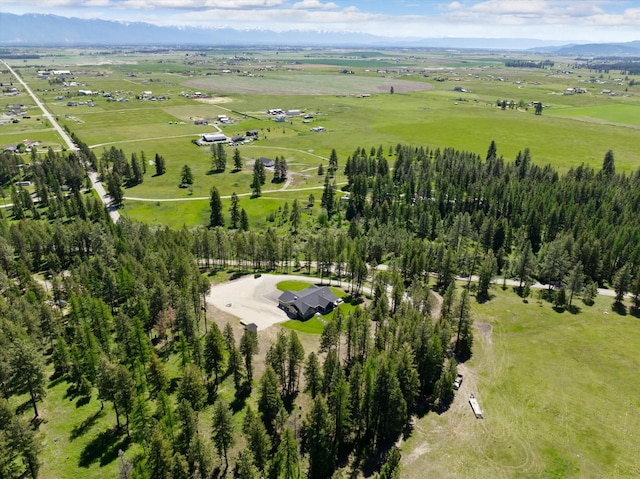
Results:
<point x="314" y="5"/>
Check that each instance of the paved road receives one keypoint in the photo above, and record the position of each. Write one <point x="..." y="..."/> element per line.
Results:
<point x="113" y="212"/>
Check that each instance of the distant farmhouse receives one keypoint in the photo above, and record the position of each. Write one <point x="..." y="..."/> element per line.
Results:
<point x="304" y="304"/>
<point x="211" y="138"/>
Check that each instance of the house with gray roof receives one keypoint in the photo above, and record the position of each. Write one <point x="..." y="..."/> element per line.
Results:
<point x="304" y="304"/>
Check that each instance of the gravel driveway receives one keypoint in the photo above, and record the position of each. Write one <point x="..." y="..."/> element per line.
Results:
<point x="253" y="300"/>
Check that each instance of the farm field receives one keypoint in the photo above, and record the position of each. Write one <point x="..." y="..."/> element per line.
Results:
<point x="557" y="391"/>
<point x="425" y="109"/>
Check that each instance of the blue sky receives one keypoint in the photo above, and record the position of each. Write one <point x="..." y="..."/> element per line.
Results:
<point x="561" y="20"/>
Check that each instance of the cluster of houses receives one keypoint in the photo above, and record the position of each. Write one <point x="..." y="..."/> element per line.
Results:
<point x="12" y="112"/>
<point x="25" y="146"/>
<point x="8" y="89"/>
<point x="575" y="90"/>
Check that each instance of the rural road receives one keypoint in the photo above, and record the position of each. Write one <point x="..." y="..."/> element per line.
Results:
<point x="113" y="212"/>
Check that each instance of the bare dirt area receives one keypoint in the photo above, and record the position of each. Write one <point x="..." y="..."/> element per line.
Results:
<point x="215" y="100"/>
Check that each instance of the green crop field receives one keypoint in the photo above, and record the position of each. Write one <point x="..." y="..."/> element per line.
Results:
<point x="558" y="393"/>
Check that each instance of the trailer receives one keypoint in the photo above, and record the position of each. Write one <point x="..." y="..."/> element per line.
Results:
<point x="475" y="407"/>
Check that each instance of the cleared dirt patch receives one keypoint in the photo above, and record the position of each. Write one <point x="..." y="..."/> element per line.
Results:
<point x="306" y="84"/>
<point x="215" y="100"/>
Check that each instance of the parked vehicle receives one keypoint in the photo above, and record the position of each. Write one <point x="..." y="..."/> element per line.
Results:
<point x="458" y="382"/>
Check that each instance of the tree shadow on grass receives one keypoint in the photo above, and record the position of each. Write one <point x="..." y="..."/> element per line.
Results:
<point x="619" y="308"/>
<point x="84" y="426"/>
<point x="104" y="448"/>
<point x="240" y="397"/>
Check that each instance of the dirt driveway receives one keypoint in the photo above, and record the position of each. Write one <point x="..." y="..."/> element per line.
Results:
<point x="253" y="300"/>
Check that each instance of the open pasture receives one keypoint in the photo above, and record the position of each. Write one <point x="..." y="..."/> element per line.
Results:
<point x="440" y="100"/>
<point x="304" y="83"/>
<point x="558" y="392"/>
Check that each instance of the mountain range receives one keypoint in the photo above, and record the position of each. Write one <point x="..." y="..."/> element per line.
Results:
<point x="34" y="29"/>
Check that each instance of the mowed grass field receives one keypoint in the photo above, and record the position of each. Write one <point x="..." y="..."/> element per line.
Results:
<point x="559" y="393"/>
<point x="425" y="110"/>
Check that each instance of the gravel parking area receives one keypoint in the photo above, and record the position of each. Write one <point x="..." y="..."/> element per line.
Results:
<point x="253" y="300"/>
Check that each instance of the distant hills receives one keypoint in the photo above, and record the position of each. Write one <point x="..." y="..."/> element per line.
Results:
<point x="35" y="29"/>
<point x="594" y="49"/>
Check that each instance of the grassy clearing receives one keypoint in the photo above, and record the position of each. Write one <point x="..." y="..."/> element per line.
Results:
<point x="558" y="394"/>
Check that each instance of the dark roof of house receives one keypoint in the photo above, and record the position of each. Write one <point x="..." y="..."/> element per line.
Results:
<point x="311" y="298"/>
<point x="267" y="161"/>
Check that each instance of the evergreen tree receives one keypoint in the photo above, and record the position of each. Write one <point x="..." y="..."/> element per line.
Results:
<point x="235" y="211"/>
<point x="214" y="348"/>
<point x="248" y="349"/>
<point x="258" y="169"/>
<point x="160" y="463"/>
<point x="256" y="188"/>
<point x="608" y="164"/>
<point x="219" y="155"/>
<point x="237" y="160"/>
<point x="160" y="165"/>
<point x="244" y="220"/>
<point x="157" y="376"/>
<point x="296" y="215"/>
<point x="235" y="367"/>
<point x="258" y="441"/>
<point x="215" y="203"/>
<point x="621" y="283"/>
<point x="285" y="464"/>
<point x="575" y="281"/>
<point x="391" y="468"/>
<point x="295" y="356"/>
<point x="328" y="197"/>
<point x="192" y="388"/>
<point x="333" y="162"/>
<point x="186" y="176"/>
<point x="27" y="370"/>
<point x="316" y="440"/>
<point x="245" y="468"/>
<point x="313" y="375"/>
<point x="488" y="269"/>
<point x="124" y="392"/>
<point x="222" y="435"/>
<point x="269" y="401"/>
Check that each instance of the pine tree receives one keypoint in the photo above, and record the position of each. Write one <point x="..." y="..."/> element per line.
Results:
<point x="313" y="375"/>
<point x="192" y="388"/>
<point x="235" y="211"/>
<point x="316" y="440"/>
<point x="214" y="348"/>
<point x="269" y="401"/>
<point x="237" y="160"/>
<point x="256" y="188"/>
<point x="186" y="176"/>
<point x="27" y="369"/>
<point x="160" y="463"/>
<point x="248" y="349"/>
<point x="285" y="464"/>
<point x="258" y="441"/>
<point x="160" y="165"/>
<point x="215" y="203"/>
<point x="608" y="164"/>
<point x="222" y="430"/>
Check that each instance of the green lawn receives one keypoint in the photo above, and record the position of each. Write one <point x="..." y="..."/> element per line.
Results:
<point x="315" y="324"/>
<point x="559" y="394"/>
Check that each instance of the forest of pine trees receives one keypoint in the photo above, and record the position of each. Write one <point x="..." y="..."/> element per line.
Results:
<point x="122" y="300"/>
